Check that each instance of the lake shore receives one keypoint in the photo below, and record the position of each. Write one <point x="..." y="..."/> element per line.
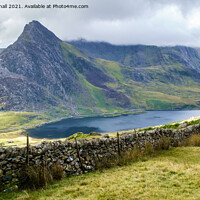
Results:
<point x="68" y="127"/>
<point x="18" y="137"/>
<point x="114" y="114"/>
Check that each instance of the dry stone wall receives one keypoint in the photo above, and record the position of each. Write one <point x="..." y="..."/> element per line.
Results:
<point x="80" y="157"/>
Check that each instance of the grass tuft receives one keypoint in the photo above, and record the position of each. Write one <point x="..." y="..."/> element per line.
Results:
<point x="118" y="160"/>
<point x="163" y="143"/>
<point x="193" y="140"/>
<point x="35" y="177"/>
<point x="57" y="171"/>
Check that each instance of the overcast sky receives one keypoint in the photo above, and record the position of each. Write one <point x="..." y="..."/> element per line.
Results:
<point x="152" y="22"/>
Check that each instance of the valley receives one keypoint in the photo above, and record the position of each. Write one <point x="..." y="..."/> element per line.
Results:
<point x="100" y="100"/>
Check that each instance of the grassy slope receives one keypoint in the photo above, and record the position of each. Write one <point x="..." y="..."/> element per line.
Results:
<point x="92" y="99"/>
<point x="11" y="120"/>
<point x="172" y="174"/>
<point x="169" y="86"/>
<point x="159" y="94"/>
<point x="162" y="77"/>
<point x="13" y="125"/>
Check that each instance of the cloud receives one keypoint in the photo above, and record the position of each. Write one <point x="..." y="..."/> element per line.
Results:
<point x="155" y="22"/>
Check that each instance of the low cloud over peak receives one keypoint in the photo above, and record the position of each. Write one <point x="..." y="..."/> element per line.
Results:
<point x="155" y="22"/>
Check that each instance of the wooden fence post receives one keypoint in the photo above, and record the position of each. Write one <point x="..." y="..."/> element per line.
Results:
<point x="118" y="144"/>
<point x="27" y="150"/>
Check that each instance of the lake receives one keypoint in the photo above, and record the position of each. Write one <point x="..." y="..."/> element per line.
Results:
<point x="67" y="127"/>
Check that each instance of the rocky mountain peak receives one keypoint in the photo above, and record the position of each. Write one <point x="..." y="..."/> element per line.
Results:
<point x="36" y="32"/>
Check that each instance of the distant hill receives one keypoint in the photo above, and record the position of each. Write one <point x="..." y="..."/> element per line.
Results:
<point x="40" y="72"/>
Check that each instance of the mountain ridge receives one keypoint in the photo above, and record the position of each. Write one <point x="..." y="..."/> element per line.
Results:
<point x="101" y="49"/>
<point x="39" y="72"/>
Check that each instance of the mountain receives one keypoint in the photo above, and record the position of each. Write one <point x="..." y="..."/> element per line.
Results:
<point x="40" y="72"/>
<point x="160" y="77"/>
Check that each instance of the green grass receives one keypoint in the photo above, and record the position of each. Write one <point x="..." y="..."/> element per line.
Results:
<point x="69" y="48"/>
<point x="172" y="125"/>
<point x="100" y="103"/>
<point x="157" y="104"/>
<point x="13" y="126"/>
<point x="9" y="120"/>
<point x="113" y="68"/>
<point x="57" y="112"/>
<point x="172" y="174"/>
<point x="81" y="135"/>
<point x="194" y="122"/>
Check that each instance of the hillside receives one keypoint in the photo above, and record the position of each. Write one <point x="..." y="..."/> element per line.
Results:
<point x="172" y="174"/>
<point x="157" y="77"/>
<point x="40" y="72"/>
<point x="141" y="55"/>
